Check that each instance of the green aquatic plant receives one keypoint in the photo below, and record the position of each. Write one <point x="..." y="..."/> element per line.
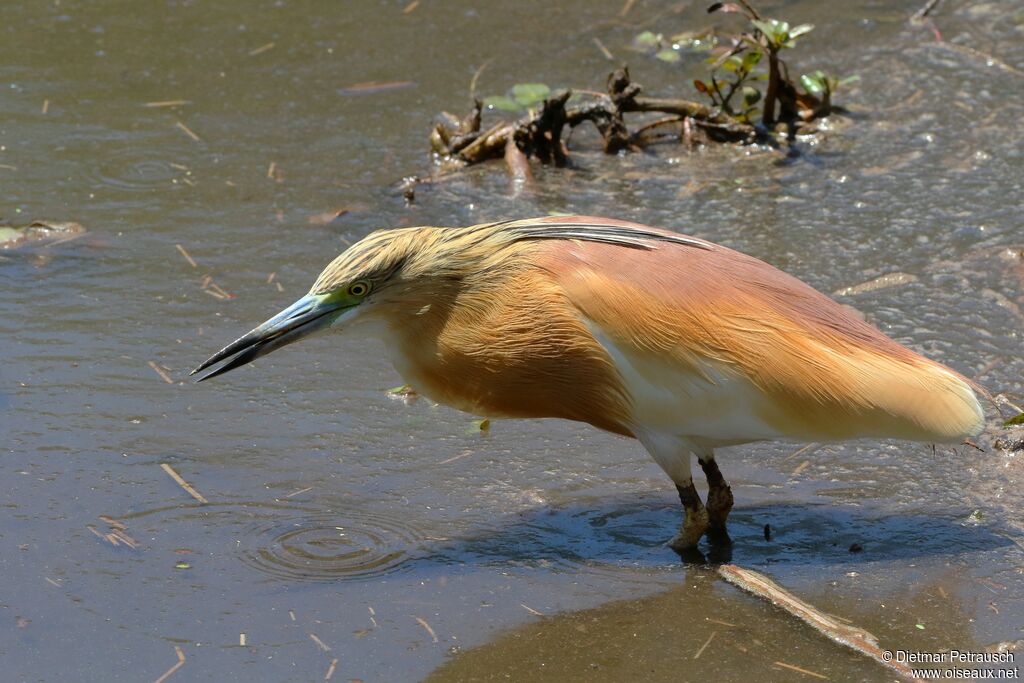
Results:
<point x="520" y="97"/>
<point x="739" y="71"/>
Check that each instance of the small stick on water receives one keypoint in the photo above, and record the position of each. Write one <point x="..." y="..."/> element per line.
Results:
<point x="300" y="491"/>
<point x="46" y="106"/>
<point x="531" y="610"/>
<point x="182" y="483"/>
<point x="372" y="615"/>
<point x="476" y="77"/>
<point x="215" y="295"/>
<point x="188" y="131"/>
<point x="605" y="51"/>
<point x="319" y="643"/>
<point x="114" y="523"/>
<point x="55" y="583"/>
<point x="800" y="468"/>
<point x="180" y="663"/>
<point x="160" y="371"/>
<point x="798" y="452"/>
<point x="924" y="11"/>
<point x="241" y="639"/>
<point x="271" y="169"/>
<point x="411" y="7"/>
<point x="270" y="278"/>
<point x="423" y="622"/>
<point x="793" y="667"/>
<point x="166" y="103"/>
<point x="460" y="456"/>
<point x="332" y="667"/>
<point x="188" y="257"/>
<point x="720" y="622"/>
<point x="852" y="637"/>
<point x="220" y="290"/>
<point x="626" y="7"/>
<point x="119" y="537"/>
<point x="261" y="49"/>
<point x="705" y="645"/>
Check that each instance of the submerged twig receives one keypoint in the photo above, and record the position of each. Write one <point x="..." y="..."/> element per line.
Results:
<point x="850" y="636"/>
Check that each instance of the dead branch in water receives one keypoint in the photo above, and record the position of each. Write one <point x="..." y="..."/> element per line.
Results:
<point x="852" y="637"/>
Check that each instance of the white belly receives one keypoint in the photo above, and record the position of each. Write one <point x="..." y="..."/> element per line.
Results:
<point x="720" y="407"/>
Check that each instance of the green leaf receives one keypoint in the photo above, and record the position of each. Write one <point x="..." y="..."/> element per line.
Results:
<point x="529" y="94"/>
<point x="1016" y="420"/>
<point x="647" y="40"/>
<point x="501" y="102"/>
<point x="751" y="95"/>
<point x="751" y="59"/>
<point x="800" y="30"/>
<point x="405" y="391"/>
<point x="182" y="565"/>
<point x="774" y="30"/>
<point x="815" y="83"/>
<point x="733" y="64"/>
<point x="668" y="55"/>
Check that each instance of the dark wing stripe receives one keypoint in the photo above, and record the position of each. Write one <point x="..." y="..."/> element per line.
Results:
<point x="636" y="238"/>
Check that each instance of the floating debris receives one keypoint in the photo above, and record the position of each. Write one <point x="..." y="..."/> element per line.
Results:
<point x="372" y="87"/>
<point x="181" y="662"/>
<point x="161" y="371"/>
<point x="182" y="483"/>
<point x="261" y="49"/>
<point x="166" y="103"/>
<point x="883" y="282"/>
<point x="831" y="627"/>
<point x="423" y="622"/>
<point x="319" y="643"/>
<point x="188" y="131"/>
<point x="188" y="257"/>
<point x="40" y="233"/>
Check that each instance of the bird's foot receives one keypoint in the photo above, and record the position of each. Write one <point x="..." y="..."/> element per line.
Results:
<point x="695" y="520"/>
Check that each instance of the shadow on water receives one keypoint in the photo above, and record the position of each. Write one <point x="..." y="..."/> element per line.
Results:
<point x="630" y="534"/>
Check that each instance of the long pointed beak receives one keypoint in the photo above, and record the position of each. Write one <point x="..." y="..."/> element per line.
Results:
<point x="305" y="316"/>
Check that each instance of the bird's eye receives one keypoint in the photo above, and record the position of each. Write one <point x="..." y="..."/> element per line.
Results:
<point x="359" y="288"/>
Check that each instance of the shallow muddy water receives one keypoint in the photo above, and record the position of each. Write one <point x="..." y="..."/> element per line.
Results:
<point x="354" y="534"/>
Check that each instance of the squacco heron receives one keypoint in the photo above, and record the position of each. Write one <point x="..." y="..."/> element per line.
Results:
<point x="682" y="344"/>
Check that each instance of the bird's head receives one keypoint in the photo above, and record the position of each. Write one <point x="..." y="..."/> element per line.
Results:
<point x="368" y="280"/>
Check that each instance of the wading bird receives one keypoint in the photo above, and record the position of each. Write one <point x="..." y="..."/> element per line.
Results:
<point x="680" y="343"/>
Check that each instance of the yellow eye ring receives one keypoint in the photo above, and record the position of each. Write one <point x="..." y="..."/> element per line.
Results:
<point x="359" y="288"/>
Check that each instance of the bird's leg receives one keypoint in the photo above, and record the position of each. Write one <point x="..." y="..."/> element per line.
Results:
<point x="695" y="518"/>
<point x="719" y="500"/>
<point x="673" y="455"/>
